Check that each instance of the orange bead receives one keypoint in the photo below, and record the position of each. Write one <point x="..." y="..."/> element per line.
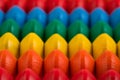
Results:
<point x="81" y="60"/>
<point x="56" y="59"/>
<point x="107" y="61"/>
<point x="8" y="61"/>
<point x="30" y="60"/>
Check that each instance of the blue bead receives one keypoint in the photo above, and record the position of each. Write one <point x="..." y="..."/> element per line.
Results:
<point x="17" y="14"/>
<point x="39" y="15"/>
<point x="79" y="14"/>
<point x="97" y="15"/>
<point x="1" y="16"/>
<point x="58" y="14"/>
<point x="115" y="17"/>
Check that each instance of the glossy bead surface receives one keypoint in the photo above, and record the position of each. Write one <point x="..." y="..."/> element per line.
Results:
<point x="39" y="15"/>
<point x="79" y="14"/>
<point x="102" y="43"/>
<point x="55" y="42"/>
<point x="10" y="26"/>
<point x="17" y="14"/>
<point x="32" y="26"/>
<point x="55" y="27"/>
<point x="10" y="42"/>
<point x="32" y="41"/>
<point x="59" y="14"/>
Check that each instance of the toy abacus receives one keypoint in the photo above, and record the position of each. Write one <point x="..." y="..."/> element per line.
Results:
<point x="59" y="39"/>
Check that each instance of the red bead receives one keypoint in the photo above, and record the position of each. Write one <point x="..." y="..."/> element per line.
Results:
<point x="55" y="3"/>
<point x="92" y="4"/>
<point x="4" y="75"/>
<point x="83" y="75"/>
<point x="72" y="4"/>
<point x="110" y="75"/>
<point x="2" y="4"/>
<point x="111" y="5"/>
<point x="27" y="74"/>
<point x="20" y="3"/>
<point x="36" y="3"/>
<point x="55" y="74"/>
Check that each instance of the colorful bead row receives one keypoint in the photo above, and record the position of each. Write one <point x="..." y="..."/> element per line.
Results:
<point x="68" y="5"/>
<point x="81" y="65"/>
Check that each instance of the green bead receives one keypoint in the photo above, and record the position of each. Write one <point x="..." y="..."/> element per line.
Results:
<point x="10" y="26"/>
<point x="99" y="28"/>
<point x="78" y="27"/>
<point x="33" y="26"/>
<point x="116" y="33"/>
<point x="55" y="27"/>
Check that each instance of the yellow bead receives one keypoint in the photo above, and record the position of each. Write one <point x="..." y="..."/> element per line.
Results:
<point x="9" y="41"/>
<point x="102" y="43"/>
<point x="79" y="42"/>
<point x="118" y="48"/>
<point x="32" y="42"/>
<point x="55" y="42"/>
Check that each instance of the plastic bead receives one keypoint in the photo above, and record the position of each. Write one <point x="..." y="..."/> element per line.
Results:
<point x="2" y="5"/>
<point x="55" y="42"/>
<point x="79" y="14"/>
<point x="56" y="59"/>
<point x="27" y="74"/>
<point x="32" y="60"/>
<point x="20" y="3"/>
<point x="39" y="15"/>
<point x="8" y="62"/>
<point x="102" y="43"/>
<point x="77" y="43"/>
<point x="115" y="17"/>
<point x="9" y="41"/>
<point x="55" y="74"/>
<point x="17" y="14"/>
<point x="72" y="4"/>
<point x="32" y="26"/>
<point x="97" y="15"/>
<point x="51" y="4"/>
<point x="99" y="28"/>
<point x="81" y="60"/>
<point x="118" y="48"/>
<point x="106" y="61"/>
<point x="78" y="27"/>
<point x="55" y="27"/>
<point x="31" y="41"/>
<point x="36" y="3"/>
<point x="1" y="16"/>
<point x="83" y="75"/>
<point x="111" y="5"/>
<point x="110" y="75"/>
<point x="116" y="33"/>
<point x="4" y="75"/>
<point x="92" y="4"/>
<point x="59" y="14"/>
<point x="10" y="26"/>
